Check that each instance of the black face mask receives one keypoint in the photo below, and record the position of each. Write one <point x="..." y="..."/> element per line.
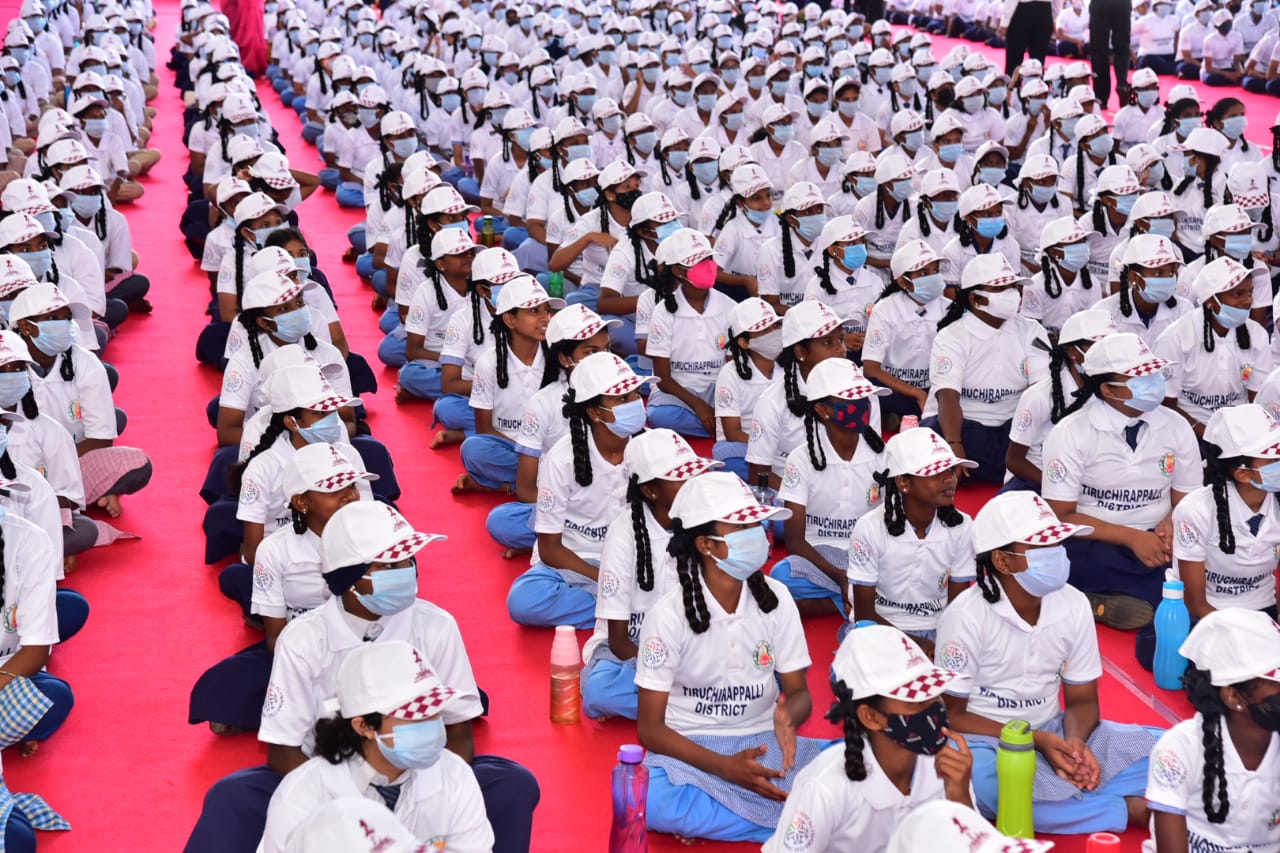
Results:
<point x="921" y="732"/>
<point x="628" y="199"/>
<point x="1267" y="713"/>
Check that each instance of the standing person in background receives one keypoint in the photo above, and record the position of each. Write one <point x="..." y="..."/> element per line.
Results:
<point x="1109" y="23"/>
<point x="1025" y="26"/>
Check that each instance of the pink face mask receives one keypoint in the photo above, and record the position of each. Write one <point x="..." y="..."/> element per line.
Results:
<point x="702" y="275"/>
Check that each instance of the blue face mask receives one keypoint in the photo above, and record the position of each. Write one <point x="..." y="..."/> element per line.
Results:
<point x="855" y="256"/>
<point x="706" y="171"/>
<point x="327" y="430"/>
<point x="927" y="288"/>
<point x="1047" y="571"/>
<point x="734" y="121"/>
<point x="86" y="206"/>
<point x="1148" y="391"/>
<point x="829" y="156"/>
<point x="1188" y="124"/>
<point x="523" y="137"/>
<point x="944" y="211"/>
<point x="1269" y="476"/>
<point x="95" y="127"/>
<point x="756" y="217"/>
<point x="628" y="419"/>
<point x="992" y="175"/>
<point x="1101" y="145"/>
<point x="586" y="102"/>
<point x="677" y="159"/>
<point x="809" y="227"/>
<point x="54" y="336"/>
<point x="1162" y="226"/>
<point x="450" y="102"/>
<point x="990" y="227"/>
<point x="813" y="72"/>
<point x="303" y="265"/>
<point x="706" y="103"/>
<point x="394" y="590"/>
<point x="748" y="551"/>
<point x="783" y="133"/>
<point x="1147" y="97"/>
<point x="1075" y="256"/>
<point x="882" y="74"/>
<point x="864" y="185"/>
<point x="900" y="190"/>
<point x="5" y="306"/>
<point x="912" y="140"/>
<point x="13" y="387"/>
<point x="780" y="87"/>
<point x="40" y="261"/>
<point x="1229" y="316"/>
<point x="731" y="76"/>
<point x="577" y="152"/>
<point x="756" y="82"/>
<point x="1042" y="195"/>
<point x="1158" y="288"/>
<point x="293" y="326"/>
<point x="1124" y="203"/>
<point x="816" y="110"/>
<point x="587" y="197"/>
<point x="1234" y="127"/>
<point x="666" y="229"/>
<point x="950" y="153"/>
<point x="849" y="109"/>
<point x="1238" y="246"/>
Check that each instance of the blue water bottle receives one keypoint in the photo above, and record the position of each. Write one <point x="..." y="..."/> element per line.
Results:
<point x="1173" y="623"/>
<point x="630" y="793"/>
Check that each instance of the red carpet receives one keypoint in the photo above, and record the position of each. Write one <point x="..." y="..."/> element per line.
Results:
<point x="127" y="770"/>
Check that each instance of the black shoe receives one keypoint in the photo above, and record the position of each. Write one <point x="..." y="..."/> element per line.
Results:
<point x="1122" y="612"/>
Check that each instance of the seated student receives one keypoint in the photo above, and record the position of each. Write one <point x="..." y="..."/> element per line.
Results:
<point x="1214" y="779"/>
<point x="983" y="231"/>
<point x="754" y="342"/>
<point x="387" y="739"/>
<point x="888" y="698"/>
<point x="506" y="376"/>
<point x="842" y="279"/>
<point x="886" y="213"/>
<point x="983" y="358"/>
<point x="1153" y="213"/>
<point x="348" y="822"/>
<point x="368" y="557"/>
<point x="1038" y="204"/>
<point x="257" y="218"/>
<point x="1217" y="355"/>
<point x="284" y="583"/>
<point x="429" y="308"/>
<point x="828" y="484"/>
<point x="636" y="570"/>
<point x="943" y="826"/>
<point x="1226" y="533"/>
<point x="581" y="490"/>
<point x="1019" y="637"/>
<point x="573" y="334"/>
<point x="785" y="262"/>
<point x="1121" y="462"/>
<point x="906" y="578"/>
<point x="1045" y="403"/>
<point x="631" y="264"/>
<point x="1064" y="285"/>
<point x="71" y="384"/>
<point x="720" y="771"/>
<point x="742" y="224"/>
<point x="1145" y="303"/>
<point x="24" y="237"/>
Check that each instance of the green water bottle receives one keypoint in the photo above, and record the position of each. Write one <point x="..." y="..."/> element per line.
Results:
<point x="1016" y="771"/>
<point x="555" y="285"/>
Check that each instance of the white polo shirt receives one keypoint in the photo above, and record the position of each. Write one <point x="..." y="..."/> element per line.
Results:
<point x="1149" y="329"/>
<point x="835" y="497"/>
<point x="1011" y="670"/>
<point x="594" y="256"/>
<point x="1087" y="460"/>
<point x="881" y="239"/>
<point x="937" y="238"/>
<point x="1025" y="224"/>
<point x="910" y="574"/>
<point x="1155" y="34"/>
<point x="441" y="805"/>
<point x="989" y="367"/>
<point x="460" y="345"/>
<point x="854" y="298"/>
<point x="580" y="514"/>
<point x="736" y="397"/>
<point x="506" y="404"/>
<point x="775" y="432"/>
<point x="82" y="405"/>
<point x="738" y="243"/>
<point x="1052" y="311"/>
<point x="29" y="616"/>
<point x="1175" y="784"/>
<point x="287" y="577"/>
<point x="1033" y="420"/>
<point x="619" y="596"/>
<point x="771" y="274"/>
<point x="544" y="422"/>
<point x="827" y="811"/>
<point x="1245" y="578"/>
<point x="311" y="648"/>
<point x="241" y="381"/>
<point x="427" y="318"/>
<point x="262" y="498"/>
<point x="694" y="342"/>
<point x="722" y="681"/>
<point x="620" y="269"/>
<point x="1203" y="382"/>
<point x="955" y="257"/>
<point x="45" y="445"/>
<point x="900" y="333"/>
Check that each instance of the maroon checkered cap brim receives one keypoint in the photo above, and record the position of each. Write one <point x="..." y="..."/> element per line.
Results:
<point x="339" y="481"/>
<point x="426" y="706"/>
<point x="1151" y="365"/>
<point x="940" y="465"/>
<point x="692" y="468"/>
<point x="331" y="403"/>
<point x="405" y="548"/>
<point x="1055" y="533"/>
<point x="927" y="685"/>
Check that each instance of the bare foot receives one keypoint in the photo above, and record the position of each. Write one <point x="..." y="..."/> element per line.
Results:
<point x="69" y="564"/>
<point x="687" y="842"/>
<point x="28" y="748"/>
<point x="403" y="396"/>
<point x="445" y="437"/>
<point x="111" y="503"/>
<point x="512" y="553"/>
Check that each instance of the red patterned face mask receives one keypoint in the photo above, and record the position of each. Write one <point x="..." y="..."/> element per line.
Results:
<point x="702" y="275"/>
<point x="852" y="414"/>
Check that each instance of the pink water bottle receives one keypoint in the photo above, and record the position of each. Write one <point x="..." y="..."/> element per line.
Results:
<point x="566" y="676"/>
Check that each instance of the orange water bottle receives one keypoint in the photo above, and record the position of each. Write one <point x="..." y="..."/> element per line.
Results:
<point x="566" y="676"/>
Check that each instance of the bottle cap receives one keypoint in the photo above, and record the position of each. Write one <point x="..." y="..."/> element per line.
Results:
<point x="1103" y="842"/>
<point x="564" y="648"/>
<point x="630" y="753"/>
<point x="1173" y="589"/>
<point x="1017" y="736"/>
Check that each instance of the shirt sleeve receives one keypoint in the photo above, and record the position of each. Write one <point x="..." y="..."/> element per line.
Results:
<point x="946" y="364"/>
<point x="807" y="817"/>
<point x="1169" y="783"/>
<point x="1062" y="466"/>
<point x="268" y="581"/>
<point x="617" y="570"/>
<point x="469" y="827"/>
<point x="795" y="487"/>
<point x="963" y="566"/>
<point x="288" y="711"/>
<point x="252" y="504"/>
<point x="615" y="270"/>
<point x="762" y="441"/>
<point x="661" y="647"/>
<point x="728" y="404"/>
<point x="553" y="491"/>
<point x="661" y="325"/>
<point x="1188" y="464"/>
<point x="484" y="382"/>
<point x="1166" y="347"/>
<point x="767" y="272"/>
<point x="955" y="650"/>
<point x="37" y="614"/>
<point x="864" y="551"/>
<point x="94" y="392"/>
<point x="1191" y="531"/>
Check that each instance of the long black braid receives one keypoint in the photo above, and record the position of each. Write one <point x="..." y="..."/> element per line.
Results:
<point x="1126" y="297"/>
<point x="502" y="346"/>
<point x="1024" y="199"/>
<point x="788" y="247"/>
<point x="844" y="711"/>
<point x="823" y="272"/>
<point x="689" y="569"/>
<point x="390" y="175"/>
<point x="895" y="508"/>
<point x="695" y="192"/>
<point x="1210" y="166"/>
<point x="644" y="548"/>
<point x="477" y="315"/>
<point x="727" y="212"/>
<point x="740" y="356"/>
<point x="552" y="369"/>
<point x="579" y="429"/>
<point x="663" y="282"/>
<point x="956" y="309"/>
<point x="817" y="456"/>
<point x="238" y="244"/>
<point x="642" y="272"/>
<point x="1053" y="282"/>
<point x="1217" y="475"/>
<point x="1242" y="332"/>
<point x="791" y="380"/>
<point x="422" y="231"/>
<point x="1207" y="700"/>
<point x="99" y="221"/>
<point x="986" y="571"/>
<point x="275" y="429"/>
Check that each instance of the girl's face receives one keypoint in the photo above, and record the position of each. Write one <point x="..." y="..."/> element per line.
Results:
<point x="875" y="717"/>
<point x="364" y="585"/>
<point x="931" y="268"/>
<point x="456" y="266"/>
<point x="529" y="322"/>
<point x="1256" y="692"/>
<point x="270" y="219"/>
<point x="992" y="159"/>
<point x="982" y="293"/>
<point x="815" y="350"/>
<point x="1229" y="112"/>
<point x="1240" y="296"/>
<point x="599" y="342"/>
<point x="37" y="243"/>
<point x="29" y="325"/>
<point x="297" y="249"/>
<point x="996" y="209"/>
<point x="750" y="336"/>
<point x="603" y="413"/>
<point x="718" y="549"/>
<point x="320" y="506"/>
<point x="305" y="418"/>
<point x="952" y="137"/>
<point x="761" y="199"/>
<point x="936" y="491"/>
<point x="439" y="220"/>
<point x="268" y="323"/>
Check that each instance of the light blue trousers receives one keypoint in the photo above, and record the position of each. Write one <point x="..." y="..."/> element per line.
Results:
<point x="511" y="525"/>
<point x="677" y="418"/>
<point x="453" y="411"/>
<point x="690" y="812"/>
<point x="490" y="459"/>
<point x="609" y="689"/>
<point x="803" y="588"/>
<point x="422" y="381"/>
<point x="542" y="598"/>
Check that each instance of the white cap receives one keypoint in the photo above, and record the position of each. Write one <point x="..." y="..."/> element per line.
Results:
<point x="1065" y="108"/>
<point x="880" y="660"/>
<point x="256" y="205"/>
<point x="802" y="195"/>
<point x="893" y="166"/>
<point x="807" y="320"/>
<point x="1038" y="167"/>
<point x="352" y="825"/>
<point x="841" y="229"/>
<point x="523" y="291"/>
<point x="19" y="228"/>
<point x="35" y="301"/>
<point x="941" y="826"/>
<point x="990" y="271"/>
<point x="320" y="467"/>
<point x="751" y="315"/>
<point x="940" y="181"/>
<point x="1217" y="641"/>
<point x="494" y="265"/>
<point x="1151" y="205"/>
<point x="1218" y="276"/>
<point x="369" y="532"/>
<point x="80" y="178"/>
<point x="267" y="289"/>
<point x="272" y="258"/>
<point x="1151" y="250"/>
<point x="273" y="168"/>
<point x="653" y="207"/>
<point x="15" y="275"/>
<point x="1125" y="353"/>
<point x="839" y="377"/>
<point x="577" y="322"/>
<point x="615" y="173"/>
<point x="1244" y="430"/>
<point x="451" y="241"/>
<point x="979" y="197"/>
<point x="1060" y="231"/>
<point x="1118" y="179"/>
<point x="444" y="199"/>
<point x="229" y="187"/>
<point x="720" y="496"/>
<point x="580" y="169"/>
<point x="1206" y="140"/>
<point x="661" y="454"/>
<point x="1092" y="324"/>
<point x="911" y="256"/>
<point x="920" y="452"/>
<point x="748" y="179"/>
<point x="905" y="121"/>
<point x="1019" y="517"/>
<point x="302" y="386"/>
<point x="14" y="348"/>
<point x="604" y="374"/>
<point x="26" y="196"/>
<point x="391" y="678"/>
<point x="684" y="248"/>
<point x="1247" y="183"/>
<point x="946" y="123"/>
<point x="1225" y="218"/>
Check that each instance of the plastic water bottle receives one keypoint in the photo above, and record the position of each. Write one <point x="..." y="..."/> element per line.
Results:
<point x="630" y="792"/>
<point x="566" y="676"/>
<point x="1016" y="771"/>
<point x="768" y="496"/>
<point x="487" y="235"/>
<point x="555" y="285"/>
<point x="1173" y="623"/>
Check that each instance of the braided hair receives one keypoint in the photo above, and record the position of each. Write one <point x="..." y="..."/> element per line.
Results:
<point x="1218" y="475"/>
<point x="956" y="309"/>
<point x="817" y="456"/>
<point x="1207" y="700"/>
<point x="477" y="315"/>
<point x="275" y="429"/>
<point x="390" y="175"/>
<point x="249" y="320"/>
<point x="925" y="227"/>
<point x="895" y="507"/>
<point x="689" y="570"/>
<point x="1053" y="282"/>
<point x="986" y="571"/>
<point x="727" y="212"/>
<point x="788" y="247"/>
<point x="502" y="346"/>
<point x="1024" y="199"/>
<point x="844" y="711"/>
<point x="1242" y="331"/>
<point x="238" y="244"/>
<point x="790" y="365"/>
<point x="644" y="548"/>
<point x="579" y="430"/>
<point x="1081" y="155"/>
<point x="882" y="213"/>
<point x="1211" y="163"/>
<point x="823" y="272"/>
<point x="642" y="272"/>
<point x="740" y="356"/>
<point x="1126" y="297"/>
